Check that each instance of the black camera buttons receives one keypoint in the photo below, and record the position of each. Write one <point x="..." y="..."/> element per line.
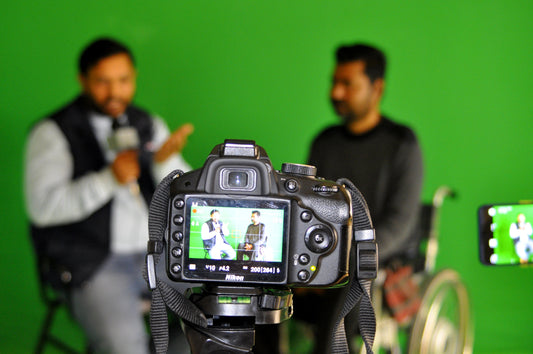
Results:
<point x="177" y="236"/>
<point x="304" y="259"/>
<point x="175" y="268"/>
<point x="306" y="216"/>
<point x="303" y="275"/>
<point x="177" y="252"/>
<point x="318" y="238"/>
<point x="292" y="185"/>
<point x="179" y="203"/>
<point x="178" y="219"/>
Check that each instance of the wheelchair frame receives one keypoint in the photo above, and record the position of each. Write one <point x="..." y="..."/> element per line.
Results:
<point x="431" y="331"/>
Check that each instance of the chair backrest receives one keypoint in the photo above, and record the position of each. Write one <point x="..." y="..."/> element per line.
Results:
<point x="53" y="282"/>
<point x="423" y="231"/>
<point x="428" y="230"/>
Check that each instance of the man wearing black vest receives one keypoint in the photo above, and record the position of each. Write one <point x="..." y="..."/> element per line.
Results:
<point x="87" y="191"/>
<point x="213" y="234"/>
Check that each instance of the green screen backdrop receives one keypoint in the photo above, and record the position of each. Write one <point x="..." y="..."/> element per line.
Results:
<point x="460" y="75"/>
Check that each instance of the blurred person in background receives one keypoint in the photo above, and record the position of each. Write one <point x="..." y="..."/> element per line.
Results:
<point x="90" y="170"/>
<point x="521" y="231"/>
<point x="381" y="157"/>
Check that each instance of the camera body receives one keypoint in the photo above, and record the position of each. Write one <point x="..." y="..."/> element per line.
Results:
<point x="237" y="221"/>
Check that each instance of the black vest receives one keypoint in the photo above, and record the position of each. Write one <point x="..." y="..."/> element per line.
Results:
<point x="210" y="243"/>
<point x="74" y="251"/>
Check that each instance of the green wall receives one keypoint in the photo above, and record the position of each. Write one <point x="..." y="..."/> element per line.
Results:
<point x="460" y="74"/>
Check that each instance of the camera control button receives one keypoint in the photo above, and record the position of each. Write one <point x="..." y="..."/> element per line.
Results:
<point x="303" y="275"/>
<point x="304" y="259"/>
<point x="318" y="238"/>
<point x="175" y="268"/>
<point x="292" y="185"/>
<point x="179" y="203"/>
<point x="177" y="236"/>
<point x="178" y="219"/>
<point x="306" y="216"/>
<point x="177" y="252"/>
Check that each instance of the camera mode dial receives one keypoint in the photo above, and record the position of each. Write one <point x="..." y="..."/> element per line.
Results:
<point x="298" y="169"/>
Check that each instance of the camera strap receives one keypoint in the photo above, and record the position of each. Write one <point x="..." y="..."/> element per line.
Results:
<point x="163" y="295"/>
<point x="363" y="260"/>
<point x="363" y="268"/>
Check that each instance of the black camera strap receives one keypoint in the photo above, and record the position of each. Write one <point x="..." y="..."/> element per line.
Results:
<point x="163" y="295"/>
<point x="362" y="269"/>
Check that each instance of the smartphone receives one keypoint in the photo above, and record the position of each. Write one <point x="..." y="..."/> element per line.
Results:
<point x="505" y="233"/>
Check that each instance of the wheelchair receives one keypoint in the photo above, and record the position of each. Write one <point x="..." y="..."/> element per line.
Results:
<point x="442" y="323"/>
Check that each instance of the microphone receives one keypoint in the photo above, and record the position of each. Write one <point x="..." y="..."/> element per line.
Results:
<point x="124" y="138"/>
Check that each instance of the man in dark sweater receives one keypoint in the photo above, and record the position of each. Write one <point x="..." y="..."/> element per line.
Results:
<point x="255" y="240"/>
<point x="381" y="157"/>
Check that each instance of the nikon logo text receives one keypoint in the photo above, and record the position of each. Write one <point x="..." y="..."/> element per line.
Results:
<point x="233" y="277"/>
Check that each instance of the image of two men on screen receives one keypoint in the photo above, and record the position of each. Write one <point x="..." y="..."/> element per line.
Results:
<point x="226" y="235"/>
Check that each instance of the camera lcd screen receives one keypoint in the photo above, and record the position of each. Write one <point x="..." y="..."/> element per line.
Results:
<point x="505" y="234"/>
<point x="236" y="240"/>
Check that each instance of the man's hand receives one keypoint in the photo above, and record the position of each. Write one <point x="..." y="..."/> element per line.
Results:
<point x="175" y="143"/>
<point x="248" y="246"/>
<point x="126" y="167"/>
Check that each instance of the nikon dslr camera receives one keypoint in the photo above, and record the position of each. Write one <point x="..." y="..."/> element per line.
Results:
<point x="237" y="221"/>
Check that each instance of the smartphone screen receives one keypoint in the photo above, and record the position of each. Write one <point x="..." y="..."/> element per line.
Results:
<point x="505" y="234"/>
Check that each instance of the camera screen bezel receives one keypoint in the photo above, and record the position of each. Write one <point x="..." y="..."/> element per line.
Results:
<point x="235" y="271"/>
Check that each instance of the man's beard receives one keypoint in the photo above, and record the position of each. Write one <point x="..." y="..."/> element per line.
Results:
<point x="100" y="108"/>
<point x="343" y="112"/>
<point x="347" y="115"/>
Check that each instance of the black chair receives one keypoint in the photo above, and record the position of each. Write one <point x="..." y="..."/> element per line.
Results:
<point x="54" y="300"/>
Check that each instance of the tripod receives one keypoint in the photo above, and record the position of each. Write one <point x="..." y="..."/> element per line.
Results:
<point x="232" y="313"/>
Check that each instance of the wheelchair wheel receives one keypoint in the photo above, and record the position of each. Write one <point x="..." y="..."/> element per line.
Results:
<point x="442" y="324"/>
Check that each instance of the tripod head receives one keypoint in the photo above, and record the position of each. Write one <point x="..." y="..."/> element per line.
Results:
<point x="232" y="313"/>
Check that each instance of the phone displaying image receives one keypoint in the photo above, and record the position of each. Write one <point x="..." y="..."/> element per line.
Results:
<point x="506" y="234"/>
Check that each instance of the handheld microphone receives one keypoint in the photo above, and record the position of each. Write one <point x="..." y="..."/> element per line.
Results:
<point x="124" y="138"/>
